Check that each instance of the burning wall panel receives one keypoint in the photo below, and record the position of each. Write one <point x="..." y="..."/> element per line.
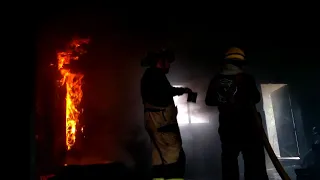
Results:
<point x="72" y="81"/>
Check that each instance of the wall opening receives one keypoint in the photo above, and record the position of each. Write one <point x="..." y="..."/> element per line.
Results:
<point x="280" y="121"/>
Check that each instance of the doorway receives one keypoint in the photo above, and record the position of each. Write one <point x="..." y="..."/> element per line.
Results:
<point x="280" y="120"/>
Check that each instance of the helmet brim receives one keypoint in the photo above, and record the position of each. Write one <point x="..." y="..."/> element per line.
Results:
<point x="168" y="55"/>
<point x="151" y="57"/>
<point x="236" y="62"/>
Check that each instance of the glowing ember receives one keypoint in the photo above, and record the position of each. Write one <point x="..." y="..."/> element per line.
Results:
<point x="72" y="82"/>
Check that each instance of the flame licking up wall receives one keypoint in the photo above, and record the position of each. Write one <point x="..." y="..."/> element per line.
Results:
<point x="72" y="82"/>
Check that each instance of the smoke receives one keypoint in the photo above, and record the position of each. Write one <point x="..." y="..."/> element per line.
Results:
<point x="137" y="145"/>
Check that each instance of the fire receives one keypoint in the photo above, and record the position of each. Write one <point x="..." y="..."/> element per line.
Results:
<point x="73" y="83"/>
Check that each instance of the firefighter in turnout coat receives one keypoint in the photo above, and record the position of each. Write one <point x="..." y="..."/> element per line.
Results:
<point x="235" y="93"/>
<point x="160" y="115"/>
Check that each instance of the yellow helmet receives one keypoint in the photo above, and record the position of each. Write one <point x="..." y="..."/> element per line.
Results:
<point x="235" y="53"/>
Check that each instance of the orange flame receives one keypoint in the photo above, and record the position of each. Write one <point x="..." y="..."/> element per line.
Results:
<point x="73" y="83"/>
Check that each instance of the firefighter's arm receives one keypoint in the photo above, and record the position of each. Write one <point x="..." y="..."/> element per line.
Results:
<point x="159" y="85"/>
<point x="178" y="91"/>
<point x="211" y="96"/>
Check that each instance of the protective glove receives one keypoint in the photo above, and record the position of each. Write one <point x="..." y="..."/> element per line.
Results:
<point x="187" y="90"/>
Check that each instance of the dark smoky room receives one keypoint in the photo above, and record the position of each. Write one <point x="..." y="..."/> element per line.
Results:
<point x="167" y="94"/>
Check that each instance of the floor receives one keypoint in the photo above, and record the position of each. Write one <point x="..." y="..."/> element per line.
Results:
<point x="202" y="146"/>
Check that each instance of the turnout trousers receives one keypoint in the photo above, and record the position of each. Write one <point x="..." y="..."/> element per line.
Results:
<point x="236" y="138"/>
<point x="168" y="157"/>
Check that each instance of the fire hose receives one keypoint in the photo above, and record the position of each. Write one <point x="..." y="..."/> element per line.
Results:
<point x="274" y="159"/>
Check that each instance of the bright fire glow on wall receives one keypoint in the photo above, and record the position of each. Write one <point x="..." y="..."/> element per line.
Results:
<point x="188" y="113"/>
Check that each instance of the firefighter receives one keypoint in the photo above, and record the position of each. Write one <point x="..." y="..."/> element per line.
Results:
<point x="235" y="94"/>
<point x="160" y="114"/>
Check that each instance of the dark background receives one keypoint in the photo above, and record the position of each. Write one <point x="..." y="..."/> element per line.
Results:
<point x="120" y="37"/>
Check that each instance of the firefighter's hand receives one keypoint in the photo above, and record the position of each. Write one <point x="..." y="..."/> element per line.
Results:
<point x="187" y="90"/>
